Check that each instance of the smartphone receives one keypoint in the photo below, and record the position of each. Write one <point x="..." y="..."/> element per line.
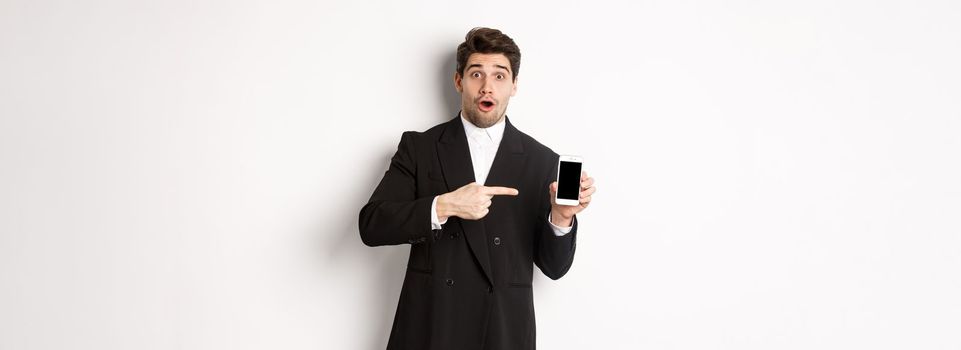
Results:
<point x="568" y="180"/>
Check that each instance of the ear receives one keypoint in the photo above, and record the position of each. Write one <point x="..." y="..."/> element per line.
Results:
<point x="457" y="82"/>
<point x="514" y="87"/>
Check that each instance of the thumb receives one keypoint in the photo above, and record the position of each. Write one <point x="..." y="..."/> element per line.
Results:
<point x="553" y="186"/>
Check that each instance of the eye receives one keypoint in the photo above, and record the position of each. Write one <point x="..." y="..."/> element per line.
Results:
<point x="475" y="75"/>
<point x="500" y="76"/>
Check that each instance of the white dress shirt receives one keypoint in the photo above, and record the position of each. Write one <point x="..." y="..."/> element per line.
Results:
<point x="483" y="144"/>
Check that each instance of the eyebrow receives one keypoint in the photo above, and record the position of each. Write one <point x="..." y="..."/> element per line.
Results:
<point x="478" y="65"/>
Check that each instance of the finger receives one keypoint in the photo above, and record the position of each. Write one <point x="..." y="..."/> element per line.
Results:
<point x="588" y="192"/>
<point x="583" y="175"/>
<point x="587" y="183"/>
<point x="498" y="191"/>
<point x="553" y="187"/>
<point x="585" y="200"/>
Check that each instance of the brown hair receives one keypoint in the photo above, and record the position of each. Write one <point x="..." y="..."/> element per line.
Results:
<point x="486" y="41"/>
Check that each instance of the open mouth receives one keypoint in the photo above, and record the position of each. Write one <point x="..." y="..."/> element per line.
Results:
<point x="486" y="106"/>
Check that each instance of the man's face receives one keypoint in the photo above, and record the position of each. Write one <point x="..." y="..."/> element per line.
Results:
<point x="485" y="88"/>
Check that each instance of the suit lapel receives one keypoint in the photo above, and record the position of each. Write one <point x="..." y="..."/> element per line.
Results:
<point x="455" y="161"/>
<point x="509" y="161"/>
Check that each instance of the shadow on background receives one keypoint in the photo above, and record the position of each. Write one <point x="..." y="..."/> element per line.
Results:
<point x="383" y="266"/>
<point x="390" y="261"/>
<point x="445" y="85"/>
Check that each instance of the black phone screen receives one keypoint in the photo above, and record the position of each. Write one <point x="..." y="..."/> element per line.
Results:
<point x="569" y="180"/>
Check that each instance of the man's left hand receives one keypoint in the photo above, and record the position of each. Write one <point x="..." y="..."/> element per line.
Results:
<point x="563" y="215"/>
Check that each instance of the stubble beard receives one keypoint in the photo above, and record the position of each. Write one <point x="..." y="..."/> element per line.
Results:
<point x="483" y="120"/>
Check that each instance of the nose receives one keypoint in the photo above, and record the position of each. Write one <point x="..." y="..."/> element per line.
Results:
<point x="487" y="87"/>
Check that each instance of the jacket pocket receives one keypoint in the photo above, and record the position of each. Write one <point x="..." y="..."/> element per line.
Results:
<point x="420" y="257"/>
<point x="521" y="264"/>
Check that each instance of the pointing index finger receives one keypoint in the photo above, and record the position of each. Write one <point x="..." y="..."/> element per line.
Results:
<point x="497" y="190"/>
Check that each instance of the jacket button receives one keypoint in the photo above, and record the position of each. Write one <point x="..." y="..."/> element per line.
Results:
<point x="497" y="241"/>
<point x="453" y="235"/>
<point x="450" y="282"/>
<point x="490" y="289"/>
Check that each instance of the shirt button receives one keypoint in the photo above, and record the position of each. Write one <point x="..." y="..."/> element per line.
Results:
<point x="497" y="241"/>
<point x="450" y="282"/>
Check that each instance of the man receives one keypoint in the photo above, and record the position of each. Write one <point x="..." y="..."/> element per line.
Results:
<point x="474" y="199"/>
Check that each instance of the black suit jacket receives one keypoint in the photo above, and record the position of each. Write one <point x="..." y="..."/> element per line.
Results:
<point x="468" y="285"/>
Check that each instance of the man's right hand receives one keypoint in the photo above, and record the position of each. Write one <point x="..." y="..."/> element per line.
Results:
<point x="470" y="201"/>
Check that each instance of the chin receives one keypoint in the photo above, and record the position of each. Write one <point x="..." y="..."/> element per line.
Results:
<point x="482" y="119"/>
<point x="487" y="122"/>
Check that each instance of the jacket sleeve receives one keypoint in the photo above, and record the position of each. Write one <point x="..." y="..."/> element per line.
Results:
<point x="394" y="215"/>
<point x="553" y="255"/>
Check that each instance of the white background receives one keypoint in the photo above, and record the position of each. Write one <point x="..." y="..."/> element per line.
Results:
<point x="771" y="175"/>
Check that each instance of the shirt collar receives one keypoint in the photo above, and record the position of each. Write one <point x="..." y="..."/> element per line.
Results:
<point x="495" y="132"/>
